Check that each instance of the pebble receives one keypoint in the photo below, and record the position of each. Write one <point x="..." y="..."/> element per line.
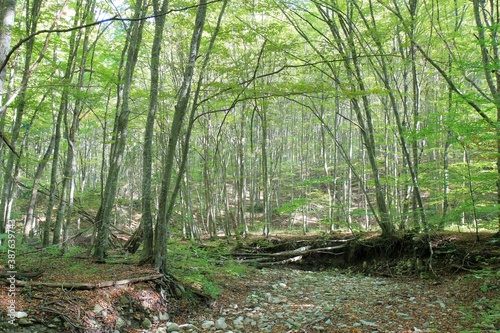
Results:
<point x="146" y="323"/>
<point x="220" y="324"/>
<point x="20" y="315"/>
<point x="207" y="324"/>
<point x="172" y="327"/>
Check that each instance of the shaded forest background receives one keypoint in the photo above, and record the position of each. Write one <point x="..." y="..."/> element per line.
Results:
<point x="226" y="118"/>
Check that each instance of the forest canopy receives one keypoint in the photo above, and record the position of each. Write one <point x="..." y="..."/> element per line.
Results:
<point x="196" y="118"/>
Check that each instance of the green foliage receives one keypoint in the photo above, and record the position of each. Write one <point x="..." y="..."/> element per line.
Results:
<point x="203" y="266"/>
<point x="81" y="268"/>
<point x="74" y="251"/>
<point x="488" y="305"/>
<point x="291" y="206"/>
<point x="277" y="58"/>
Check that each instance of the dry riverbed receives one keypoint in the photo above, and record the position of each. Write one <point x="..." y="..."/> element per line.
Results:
<point x="286" y="300"/>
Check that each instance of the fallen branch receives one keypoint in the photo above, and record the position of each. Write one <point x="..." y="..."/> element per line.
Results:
<point x="281" y="262"/>
<point x="285" y="257"/>
<point x="25" y="275"/>
<point x="88" y="286"/>
<point x="62" y="315"/>
<point x="458" y="267"/>
<point x="302" y="251"/>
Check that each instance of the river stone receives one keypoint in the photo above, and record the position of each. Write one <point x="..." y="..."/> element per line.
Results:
<point x="368" y="323"/>
<point x="403" y="315"/>
<point x="172" y="327"/>
<point x="20" y="315"/>
<point x="207" y="324"/>
<point x="98" y="309"/>
<point x="163" y="316"/>
<point x="221" y="324"/>
<point x="238" y="322"/>
<point x="120" y="323"/>
<point x="250" y="321"/>
<point x="277" y="300"/>
<point x="160" y="330"/>
<point x="24" y="322"/>
<point x="146" y="323"/>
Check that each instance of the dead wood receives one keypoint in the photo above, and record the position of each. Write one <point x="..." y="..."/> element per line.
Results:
<point x="24" y="275"/>
<point x="62" y="315"/>
<point x="89" y="286"/>
<point x="302" y="250"/>
<point x="281" y="262"/>
<point x="285" y="257"/>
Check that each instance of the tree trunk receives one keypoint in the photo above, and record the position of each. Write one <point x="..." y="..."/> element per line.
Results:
<point x="71" y="119"/>
<point x="29" y="221"/>
<point x="7" y="15"/>
<point x="53" y="177"/>
<point x="265" y="173"/>
<point x="343" y="33"/>
<point x="147" y="172"/>
<point x="164" y="210"/>
<point x="119" y="139"/>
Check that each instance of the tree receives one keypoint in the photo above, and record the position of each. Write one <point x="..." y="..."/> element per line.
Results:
<point x="165" y="206"/>
<point x="486" y="20"/>
<point x="7" y="15"/>
<point x="341" y="26"/>
<point x="147" y="217"/>
<point x="103" y="218"/>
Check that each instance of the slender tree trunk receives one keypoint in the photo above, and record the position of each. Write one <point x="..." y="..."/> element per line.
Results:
<point x="470" y="187"/>
<point x="343" y="32"/>
<point x="53" y="177"/>
<point x="72" y="119"/>
<point x="164" y="213"/>
<point x="329" y="187"/>
<point x="265" y="173"/>
<point x="9" y="175"/>
<point x="241" y="192"/>
<point x="7" y="15"/>
<point x="147" y="216"/>
<point x="29" y="221"/>
<point x="446" y="171"/>
<point x="103" y="218"/>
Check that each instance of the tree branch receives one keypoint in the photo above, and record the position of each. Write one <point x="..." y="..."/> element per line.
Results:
<point x="453" y="87"/>
<point x="7" y="142"/>
<point x="111" y="19"/>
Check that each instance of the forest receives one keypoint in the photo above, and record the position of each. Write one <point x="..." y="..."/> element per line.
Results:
<point x="151" y="128"/>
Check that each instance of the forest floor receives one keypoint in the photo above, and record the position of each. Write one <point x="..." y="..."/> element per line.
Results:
<point x="365" y="284"/>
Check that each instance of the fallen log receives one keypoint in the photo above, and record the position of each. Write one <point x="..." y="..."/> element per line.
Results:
<point x="302" y="251"/>
<point x="281" y="262"/>
<point x="285" y="257"/>
<point x="24" y="275"/>
<point x="88" y="286"/>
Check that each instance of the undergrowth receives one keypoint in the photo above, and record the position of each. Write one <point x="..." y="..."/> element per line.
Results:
<point x="204" y="266"/>
<point x="485" y="310"/>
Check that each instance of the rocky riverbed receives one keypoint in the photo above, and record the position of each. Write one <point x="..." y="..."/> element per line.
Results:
<point x="288" y="300"/>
